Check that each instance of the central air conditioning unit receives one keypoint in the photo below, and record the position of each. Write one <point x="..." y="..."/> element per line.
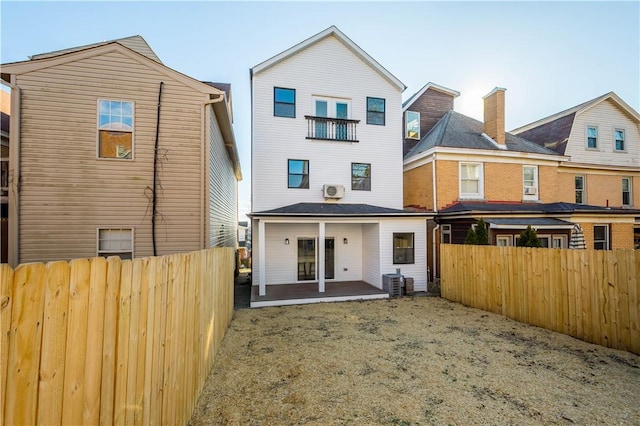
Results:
<point x="333" y="191"/>
<point x="530" y="190"/>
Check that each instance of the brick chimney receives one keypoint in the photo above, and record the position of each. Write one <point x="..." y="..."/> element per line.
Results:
<point x="494" y="115"/>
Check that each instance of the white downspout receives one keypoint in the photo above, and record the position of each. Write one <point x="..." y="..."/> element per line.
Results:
<point x="435" y="210"/>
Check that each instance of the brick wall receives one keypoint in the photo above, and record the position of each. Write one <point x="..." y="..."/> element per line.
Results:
<point x="622" y="236"/>
<point x="418" y="187"/>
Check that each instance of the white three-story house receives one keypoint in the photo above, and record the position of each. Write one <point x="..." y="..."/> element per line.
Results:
<point x="327" y="177"/>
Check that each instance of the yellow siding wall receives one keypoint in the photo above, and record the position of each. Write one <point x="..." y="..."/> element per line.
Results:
<point x="502" y="182"/>
<point x="418" y="187"/>
<point x="447" y="182"/>
<point x="622" y="236"/>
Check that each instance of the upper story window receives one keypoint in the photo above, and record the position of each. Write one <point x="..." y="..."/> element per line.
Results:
<point x="592" y="137"/>
<point x="298" y="175"/>
<point x="331" y="120"/>
<point x="619" y="139"/>
<point x="412" y="125"/>
<point x="580" y="190"/>
<point x="360" y="177"/>
<point x="626" y="192"/>
<point x="375" y="111"/>
<point x="115" y="242"/>
<point x="530" y="182"/>
<point x="471" y="180"/>
<point x="403" y="250"/>
<point x="115" y="129"/>
<point x="284" y="102"/>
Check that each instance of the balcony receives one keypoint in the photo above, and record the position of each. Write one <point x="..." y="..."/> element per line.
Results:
<point x="331" y="129"/>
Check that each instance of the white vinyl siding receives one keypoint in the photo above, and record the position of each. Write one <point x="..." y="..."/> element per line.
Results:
<point x="607" y="117"/>
<point x="61" y="211"/>
<point x="371" y="256"/>
<point x="312" y="72"/>
<point x="223" y="191"/>
<point x="416" y="270"/>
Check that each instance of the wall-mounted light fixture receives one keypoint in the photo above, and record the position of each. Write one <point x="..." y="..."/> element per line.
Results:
<point x="286" y="241"/>
<point x="345" y="241"/>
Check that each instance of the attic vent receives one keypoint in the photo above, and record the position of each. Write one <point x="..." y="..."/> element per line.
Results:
<point x="333" y="191"/>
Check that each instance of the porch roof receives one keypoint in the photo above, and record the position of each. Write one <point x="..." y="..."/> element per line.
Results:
<point x="338" y="210"/>
<point x="535" y="208"/>
<point x="522" y="223"/>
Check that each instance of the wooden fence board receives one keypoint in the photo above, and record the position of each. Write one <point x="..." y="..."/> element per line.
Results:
<point x="95" y="340"/>
<point x="109" y="340"/>
<point x="142" y="342"/>
<point x="6" y="283"/>
<point x="634" y="302"/>
<point x="76" y="353"/>
<point x="54" y="343"/>
<point x="132" y="332"/>
<point x="622" y="303"/>
<point x="122" y="357"/>
<point x="23" y="363"/>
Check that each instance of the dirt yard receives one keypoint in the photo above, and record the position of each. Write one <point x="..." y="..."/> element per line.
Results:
<point x="411" y="361"/>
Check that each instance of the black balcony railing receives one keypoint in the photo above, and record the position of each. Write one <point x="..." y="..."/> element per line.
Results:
<point x="331" y="129"/>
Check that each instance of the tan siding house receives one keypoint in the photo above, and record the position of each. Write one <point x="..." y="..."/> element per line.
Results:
<point x="89" y="122"/>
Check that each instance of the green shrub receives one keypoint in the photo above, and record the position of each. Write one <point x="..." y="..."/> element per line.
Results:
<point x="529" y="238"/>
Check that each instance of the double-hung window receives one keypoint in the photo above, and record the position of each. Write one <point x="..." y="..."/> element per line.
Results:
<point x="471" y="181"/>
<point x="375" y="111"/>
<point x="115" y="242"/>
<point x="601" y="237"/>
<point x="361" y="177"/>
<point x="403" y="250"/>
<point x="592" y="137"/>
<point x="412" y="125"/>
<point x="626" y="191"/>
<point x="115" y="129"/>
<point x="619" y="139"/>
<point x="530" y="182"/>
<point x="580" y="194"/>
<point x="284" y="102"/>
<point x="298" y="176"/>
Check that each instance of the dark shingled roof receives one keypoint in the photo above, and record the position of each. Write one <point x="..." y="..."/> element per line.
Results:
<point x="533" y="221"/>
<point x="335" y="209"/>
<point x="455" y="130"/>
<point x="552" y="135"/>
<point x="467" y="207"/>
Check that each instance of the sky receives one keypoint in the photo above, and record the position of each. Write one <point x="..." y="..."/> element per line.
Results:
<point x="550" y="56"/>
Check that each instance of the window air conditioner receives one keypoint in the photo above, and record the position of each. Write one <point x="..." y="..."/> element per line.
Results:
<point x="530" y="190"/>
<point x="333" y="191"/>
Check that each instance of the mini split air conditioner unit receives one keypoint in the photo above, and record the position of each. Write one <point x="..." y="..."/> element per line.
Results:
<point x="530" y="190"/>
<point x="333" y="191"/>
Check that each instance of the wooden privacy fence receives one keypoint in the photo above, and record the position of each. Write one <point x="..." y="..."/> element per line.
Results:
<point x="592" y="295"/>
<point x="105" y="341"/>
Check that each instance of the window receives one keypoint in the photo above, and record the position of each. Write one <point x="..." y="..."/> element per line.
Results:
<point x="504" y="240"/>
<point x="530" y="182"/>
<point x="298" y="174"/>
<point x="592" y="137"/>
<point x="115" y="129"/>
<point x="601" y="237"/>
<point x="334" y="109"/>
<point x="412" y="125"/>
<point x="559" y="241"/>
<point x="403" y="248"/>
<point x="626" y="191"/>
<point x="580" y="198"/>
<point x="375" y="111"/>
<point x="360" y="177"/>
<point x="284" y="102"/>
<point x="115" y="242"/>
<point x="619" y="137"/>
<point x="445" y="234"/>
<point x="471" y="184"/>
<point x="545" y="241"/>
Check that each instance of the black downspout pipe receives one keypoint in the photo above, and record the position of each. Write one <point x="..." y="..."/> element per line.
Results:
<point x="154" y="201"/>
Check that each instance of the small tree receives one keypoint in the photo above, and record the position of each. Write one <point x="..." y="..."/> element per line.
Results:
<point x="529" y="238"/>
<point x="482" y="233"/>
<point x="472" y="237"/>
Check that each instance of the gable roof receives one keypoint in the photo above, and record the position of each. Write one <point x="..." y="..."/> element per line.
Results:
<point x="346" y="41"/>
<point x="406" y="104"/>
<point x="553" y="131"/>
<point x="222" y="109"/>
<point x="455" y="130"/>
<point x="135" y="43"/>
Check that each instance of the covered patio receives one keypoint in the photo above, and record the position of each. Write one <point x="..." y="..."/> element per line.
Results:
<point x="302" y="293"/>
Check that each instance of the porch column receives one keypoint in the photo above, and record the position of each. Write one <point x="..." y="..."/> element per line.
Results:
<point x="262" y="288"/>
<point x="320" y="267"/>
